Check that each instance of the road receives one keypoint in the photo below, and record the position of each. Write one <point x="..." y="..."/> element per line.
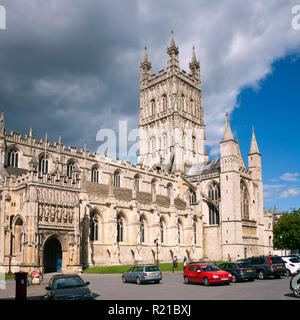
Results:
<point x="110" y="287"/>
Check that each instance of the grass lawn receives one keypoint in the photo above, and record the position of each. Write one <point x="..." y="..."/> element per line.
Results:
<point x="123" y="268"/>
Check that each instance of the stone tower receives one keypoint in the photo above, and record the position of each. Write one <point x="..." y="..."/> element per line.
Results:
<point x="171" y="123"/>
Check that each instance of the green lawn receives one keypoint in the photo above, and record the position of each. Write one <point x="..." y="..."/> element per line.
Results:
<point x="123" y="268"/>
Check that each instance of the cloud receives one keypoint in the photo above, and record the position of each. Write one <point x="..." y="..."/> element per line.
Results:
<point x="291" y="192"/>
<point x="72" y="67"/>
<point x="290" y="176"/>
<point x="272" y="190"/>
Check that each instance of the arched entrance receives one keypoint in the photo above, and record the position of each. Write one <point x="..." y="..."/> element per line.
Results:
<point x="52" y="255"/>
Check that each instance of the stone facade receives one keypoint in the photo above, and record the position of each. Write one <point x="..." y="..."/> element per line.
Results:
<point x="61" y="203"/>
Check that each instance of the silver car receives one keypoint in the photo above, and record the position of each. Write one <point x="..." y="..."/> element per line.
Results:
<point x="142" y="273"/>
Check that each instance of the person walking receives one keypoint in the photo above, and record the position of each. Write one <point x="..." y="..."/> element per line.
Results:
<point x="184" y="262"/>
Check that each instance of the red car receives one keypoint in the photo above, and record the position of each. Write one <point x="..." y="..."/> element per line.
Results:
<point x="206" y="273"/>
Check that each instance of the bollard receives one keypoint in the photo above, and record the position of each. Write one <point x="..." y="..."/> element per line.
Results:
<point x="21" y="285"/>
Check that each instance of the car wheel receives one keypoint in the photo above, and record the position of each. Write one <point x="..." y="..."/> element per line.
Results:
<point x="288" y="273"/>
<point x="206" y="282"/>
<point x="234" y="278"/>
<point x="124" y="279"/>
<point x="297" y="292"/>
<point x="138" y="280"/>
<point x="157" y="281"/>
<point x="186" y="280"/>
<point x="261" y="275"/>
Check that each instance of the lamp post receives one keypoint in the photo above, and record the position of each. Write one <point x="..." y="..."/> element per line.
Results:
<point x="156" y="242"/>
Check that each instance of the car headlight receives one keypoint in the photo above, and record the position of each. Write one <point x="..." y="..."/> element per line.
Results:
<point x="215" y="277"/>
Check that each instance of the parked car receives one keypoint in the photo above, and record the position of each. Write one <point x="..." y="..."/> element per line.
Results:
<point x="267" y="266"/>
<point x="206" y="274"/>
<point x="68" y="287"/>
<point x="143" y="273"/>
<point x="295" y="283"/>
<point x="292" y="264"/>
<point x="239" y="271"/>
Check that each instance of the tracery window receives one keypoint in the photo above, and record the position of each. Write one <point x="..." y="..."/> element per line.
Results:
<point x="214" y="194"/>
<point x="120" y="229"/>
<point x="244" y="200"/>
<point x="13" y="158"/>
<point x="70" y="168"/>
<point x="43" y="164"/>
<point x="117" y="179"/>
<point x="94" y="226"/>
<point x="95" y="175"/>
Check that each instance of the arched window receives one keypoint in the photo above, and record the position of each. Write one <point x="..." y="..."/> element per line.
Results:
<point x="179" y="232"/>
<point x="195" y="229"/>
<point x="18" y="235"/>
<point x="214" y="195"/>
<point x="169" y="190"/>
<point x="43" y="164"/>
<point x="13" y="158"/>
<point x="165" y="103"/>
<point x="94" y="226"/>
<point x="95" y="175"/>
<point x="161" y="229"/>
<point x="137" y="183"/>
<point x="153" y="187"/>
<point x="193" y="198"/>
<point x="70" y="168"/>
<point x="153" y="108"/>
<point x="120" y="229"/>
<point x="117" y="179"/>
<point x="142" y="229"/>
<point x="244" y="200"/>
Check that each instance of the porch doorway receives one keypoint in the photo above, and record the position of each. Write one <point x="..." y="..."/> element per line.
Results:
<point x="52" y="255"/>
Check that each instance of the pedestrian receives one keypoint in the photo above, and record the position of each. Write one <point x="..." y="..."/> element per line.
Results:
<point x="184" y="262"/>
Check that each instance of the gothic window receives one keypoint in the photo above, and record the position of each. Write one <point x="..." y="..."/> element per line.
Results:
<point x="136" y="183"/>
<point x="164" y="99"/>
<point x="193" y="198"/>
<point x="244" y="200"/>
<point x="153" y="187"/>
<point x="195" y="229"/>
<point x="13" y="158"/>
<point x="120" y="229"/>
<point x="43" y="164"/>
<point x="153" y="108"/>
<point x="161" y="228"/>
<point x="214" y="195"/>
<point x="194" y="144"/>
<point x="94" y="226"/>
<point x="117" y="179"/>
<point x="95" y="175"/>
<point x="142" y="229"/>
<point x="70" y="168"/>
<point x="179" y="232"/>
<point x="18" y="235"/>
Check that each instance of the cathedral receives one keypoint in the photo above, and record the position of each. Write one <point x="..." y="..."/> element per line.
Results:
<point x="67" y="209"/>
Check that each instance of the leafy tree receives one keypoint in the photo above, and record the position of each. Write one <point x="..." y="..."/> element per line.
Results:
<point x="287" y="231"/>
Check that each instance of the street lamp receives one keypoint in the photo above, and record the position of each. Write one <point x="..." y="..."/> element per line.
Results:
<point x="156" y="242"/>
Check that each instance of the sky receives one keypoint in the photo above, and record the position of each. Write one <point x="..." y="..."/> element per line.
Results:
<point x="71" y="68"/>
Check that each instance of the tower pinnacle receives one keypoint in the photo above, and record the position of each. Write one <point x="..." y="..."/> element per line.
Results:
<point x="253" y="147"/>
<point x="228" y="133"/>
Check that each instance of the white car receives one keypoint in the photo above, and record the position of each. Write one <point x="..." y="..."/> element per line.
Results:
<point x="292" y="264"/>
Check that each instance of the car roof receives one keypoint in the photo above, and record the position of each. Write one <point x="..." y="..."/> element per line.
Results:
<point x="65" y="275"/>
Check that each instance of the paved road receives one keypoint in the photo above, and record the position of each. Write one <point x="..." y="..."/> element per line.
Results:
<point x="110" y="287"/>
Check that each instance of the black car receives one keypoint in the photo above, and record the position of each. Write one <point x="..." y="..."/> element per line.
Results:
<point x="68" y="287"/>
<point x="239" y="271"/>
<point x="267" y="266"/>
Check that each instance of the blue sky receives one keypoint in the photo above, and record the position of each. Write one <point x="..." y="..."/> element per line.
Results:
<point x="274" y="110"/>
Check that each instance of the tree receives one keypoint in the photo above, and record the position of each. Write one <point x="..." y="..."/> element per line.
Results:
<point x="287" y="231"/>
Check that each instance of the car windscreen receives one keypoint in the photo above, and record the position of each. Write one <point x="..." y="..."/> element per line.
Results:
<point x="151" y="268"/>
<point x="210" y="268"/>
<point x="67" y="282"/>
<point x="276" y="260"/>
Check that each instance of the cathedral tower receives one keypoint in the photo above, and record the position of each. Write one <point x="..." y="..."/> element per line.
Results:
<point x="171" y="124"/>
